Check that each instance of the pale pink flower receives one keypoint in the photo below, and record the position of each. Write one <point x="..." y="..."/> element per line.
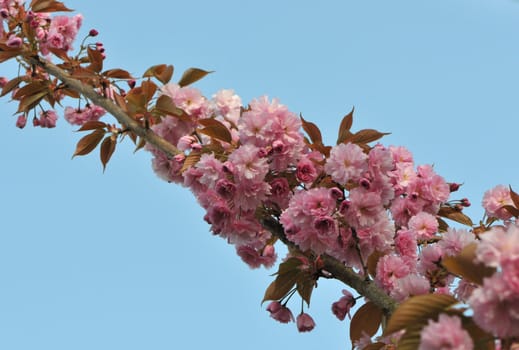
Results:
<point x="167" y="169"/>
<point x="464" y="290"/>
<point x="347" y="162"/>
<point x="280" y="312"/>
<point x="247" y="163"/>
<point x="496" y="307"/>
<point x="61" y="33"/>
<point x="424" y="225"/>
<point x="401" y="154"/>
<point x="189" y="99"/>
<point x="228" y="105"/>
<point x="494" y="200"/>
<point x="498" y="245"/>
<point x="364" y="209"/>
<point x="305" y="322"/>
<point x="410" y="285"/>
<point x="454" y="240"/>
<point x="446" y="334"/>
<point x="406" y="245"/>
<point x="47" y="119"/>
<point x="342" y="307"/>
<point x="389" y="269"/>
<point x="429" y="258"/>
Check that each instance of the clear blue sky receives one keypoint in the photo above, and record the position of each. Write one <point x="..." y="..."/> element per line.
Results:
<point x="121" y="260"/>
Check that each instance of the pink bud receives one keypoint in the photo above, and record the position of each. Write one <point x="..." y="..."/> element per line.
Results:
<point x="453" y="187"/>
<point x="3" y="81"/>
<point x="93" y="32"/>
<point x="21" y="121"/>
<point x="305" y="322"/>
<point x="14" y="41"/>
<point x="280" y="312"/>
<point x="342" y="307"/>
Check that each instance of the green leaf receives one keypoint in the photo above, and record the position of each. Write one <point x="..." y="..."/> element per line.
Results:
<point x="191" y="75"/>
<point x="367" y="320"/>
<point x="463" y="265"/>
<point x="417" y="310"/>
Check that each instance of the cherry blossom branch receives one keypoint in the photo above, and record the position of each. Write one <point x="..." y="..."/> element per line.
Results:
<point x="108" y="105"/>
<point x="338" y="270"/>
<point x="341" y="272"/>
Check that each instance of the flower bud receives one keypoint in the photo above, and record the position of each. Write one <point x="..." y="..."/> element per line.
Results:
<point x="93" y="32"/>
<point x="21" y="121"/>
<point x="304" y="322"/>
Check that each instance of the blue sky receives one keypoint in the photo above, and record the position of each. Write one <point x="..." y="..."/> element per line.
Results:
<point x="121" y="260"/>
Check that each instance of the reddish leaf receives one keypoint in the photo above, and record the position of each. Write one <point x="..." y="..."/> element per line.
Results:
<point x="166" y="106"/>
<point x="512" y="210"/>
<point x="7" y="55"/>
<point x="91" y="125"/>
<point x="95" y="58"/>
<point x="367" y="320"/>
<point x="88" y="143"/>
<point x="417" y="310"/>
<point x="190" y="160"/>
<point x="107" y="149"/>
<point x="305" y="286"/>
<point x="162" y="72"/>
<point x="344" y="129"/>
<point x="281" y="285"/>
<point x="148" y="89"/>
<point x="30" y="89"/>
<point x="117" y="74"/>
<point x="366" y="136"/>
<point x="515" y="197"/>
<point x="62" y="54"/>
<point x="191" y="75"/>
<point x="29" y="102"/>
<point x="11" y="85"/>
<point x="215" y="129"/>
<point x="455" y="215"/>
<point x="463" y="265"/>
<point x="312" y="131"/>
<point x="48" y="6"/>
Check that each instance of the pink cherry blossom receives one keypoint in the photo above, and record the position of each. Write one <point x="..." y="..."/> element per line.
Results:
<point x="347" y="162"/>
<point x="425" y="225"/>
<point x="305" y="322"/>
<point x="21" y="121"/>
<point x="496" y="307"/>
<point x="389" y="269"/>
<point x="342" y="307"/>
<point x="446" y="334"/>
<point x="47" y="119"/>
<point x="280" y="312"/>
<point x="494" y="200"/>
<point x="410" y="285"/>
<point x="454" y="240"/>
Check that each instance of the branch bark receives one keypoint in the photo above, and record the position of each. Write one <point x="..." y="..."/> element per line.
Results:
<point x="339" y="271"/>
<point x="108" y="105"/>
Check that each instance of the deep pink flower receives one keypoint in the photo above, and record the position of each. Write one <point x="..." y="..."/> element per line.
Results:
<point x="342" y="307"/>
<point x="305" y="322"/>
<point x="21" y="121"/>
<point x="446" y="334"/>
<point x="280" y="312"/>
<point x="306" y="170"/>
<point x="389" y="269"/>
<point x="47" y="119"/>
<point x="14" y="41"/>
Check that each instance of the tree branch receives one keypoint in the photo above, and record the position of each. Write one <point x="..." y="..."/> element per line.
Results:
<point x="108" y="105"/>
<point x="339" y="271"/>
